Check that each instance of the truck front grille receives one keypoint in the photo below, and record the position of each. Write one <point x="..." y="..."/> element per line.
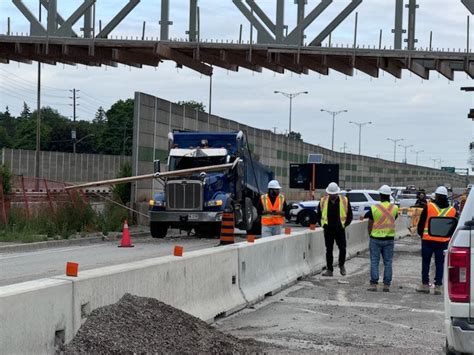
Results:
<point x="184" y="195"/>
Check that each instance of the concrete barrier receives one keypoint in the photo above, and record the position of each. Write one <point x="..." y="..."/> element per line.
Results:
<point x="283" y="263"/>
<point x="35" y="317"/>
<point x="202" y="283"/>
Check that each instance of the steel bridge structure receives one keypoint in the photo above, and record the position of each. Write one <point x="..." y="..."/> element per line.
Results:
<point x="274" y="46"/>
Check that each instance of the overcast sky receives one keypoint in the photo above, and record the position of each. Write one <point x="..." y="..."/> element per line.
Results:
<point x="431" y="115"/>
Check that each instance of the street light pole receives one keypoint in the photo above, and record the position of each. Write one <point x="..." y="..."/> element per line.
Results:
<point x="416" y="152"/>
<point x="360" y="125"/>
<point x="333" y="114"/>
<point x="406" y="148"/>
<point x="291" y="96"/>
<point x="395" y="141"/>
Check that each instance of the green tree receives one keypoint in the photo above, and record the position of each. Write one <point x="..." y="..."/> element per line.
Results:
<point x="122" y="192"/>
<point x="5" y="178"/>
<point x="295" y="135"/>
<point x="26" y="112"/>
<point x="117" y="137"/>
<point x="194" y="105"/>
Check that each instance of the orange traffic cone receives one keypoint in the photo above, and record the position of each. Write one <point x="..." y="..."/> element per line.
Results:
<point x="126" y="241"/>
<point x="227" y="228"/>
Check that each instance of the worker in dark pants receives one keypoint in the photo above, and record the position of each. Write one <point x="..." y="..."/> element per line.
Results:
<point x="432" y="244"/>
<point x="334" y="214"/>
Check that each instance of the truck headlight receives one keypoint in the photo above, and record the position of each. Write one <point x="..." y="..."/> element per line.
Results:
<point x="214" y="203"/>
<point x="156" y="203"/>
<point x="151" y="203"/>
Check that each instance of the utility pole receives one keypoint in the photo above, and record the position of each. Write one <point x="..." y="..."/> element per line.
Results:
<point x="74" y="117"/>
<point x="344" y="148"/>
<point x="416" y="152"/>
<point x="333" y="114"/>
<point x="38" y="121"/>
<point x="360" y="125"/>
<point x="395" y="141"/>
<point x="406" y="148"/>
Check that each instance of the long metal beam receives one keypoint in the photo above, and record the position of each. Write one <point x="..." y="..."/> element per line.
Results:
<point x="469" y="5"/>
<point x="398" y="31"/>
<point x="263" y="16"/>
<point x="263" y="35"/>
<point x="66" y="28"/>
<point x="118" y="18"/>
<point x="36" y="28"/>
<point x="165" y="20"/>
<point x="411" y="40"/>
<point x="336" y="22"/>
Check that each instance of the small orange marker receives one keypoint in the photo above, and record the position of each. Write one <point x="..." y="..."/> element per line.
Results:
<point x="287" y="230"/>
<point x="178" y="250"/>
<point x="251" y="238"/>
<point x="72" y="269"/>
<point x="312" y="227"/>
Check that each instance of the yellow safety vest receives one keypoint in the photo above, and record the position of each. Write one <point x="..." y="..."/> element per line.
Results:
<point x="384" y="215"/>
<point x="343" y="210"/>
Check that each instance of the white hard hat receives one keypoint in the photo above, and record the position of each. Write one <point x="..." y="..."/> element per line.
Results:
<point x="385" y="190"/>
<point x="274" y="184"/>
<point x="333" y="189"/>
<point x="441" y="191"/>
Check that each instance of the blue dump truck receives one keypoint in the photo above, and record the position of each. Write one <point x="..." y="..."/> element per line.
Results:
<point x="198" y="200"/>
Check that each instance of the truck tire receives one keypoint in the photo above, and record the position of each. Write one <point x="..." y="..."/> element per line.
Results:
<point x="248" y="214"/>
<point x="158" y="229"/>
<point x="307" y="218"/>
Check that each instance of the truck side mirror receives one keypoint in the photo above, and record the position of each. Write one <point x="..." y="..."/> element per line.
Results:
<point x="442" y="226"/>
<point x="156" y="166"/>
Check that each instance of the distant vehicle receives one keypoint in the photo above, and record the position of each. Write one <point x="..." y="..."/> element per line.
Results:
<point x="406" y="199"/>
<point x="459" y="278"/>
<point x="304" y="212"/>
<point x="198" y="202"/>
<point x="362" y="200"/>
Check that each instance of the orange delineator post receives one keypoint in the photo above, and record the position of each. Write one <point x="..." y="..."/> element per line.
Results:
<point x="227" y="228"/>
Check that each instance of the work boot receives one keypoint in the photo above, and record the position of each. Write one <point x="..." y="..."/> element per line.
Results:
<point x="438" y="289"/>
<point x="342" y="270"/>
<point x="372" y="288"/>
<point x="327" y="273"/>
<point x="423" y="288"/>
<point x="386" y="288"/>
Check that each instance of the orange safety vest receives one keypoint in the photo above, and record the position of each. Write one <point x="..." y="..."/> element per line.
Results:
<point x="267" y="218"/>
<point x="435" y="211"/>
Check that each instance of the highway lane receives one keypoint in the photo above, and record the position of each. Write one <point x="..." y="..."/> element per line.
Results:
<point x="18" y="267"/>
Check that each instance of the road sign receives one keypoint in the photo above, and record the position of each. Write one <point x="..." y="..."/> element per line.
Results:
<point x="313" y="176"/>
<point x="315" y="158"/>
<point x="449" y="169"/>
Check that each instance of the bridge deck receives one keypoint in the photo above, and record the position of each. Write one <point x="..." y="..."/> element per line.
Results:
<point x="231" y="56"/>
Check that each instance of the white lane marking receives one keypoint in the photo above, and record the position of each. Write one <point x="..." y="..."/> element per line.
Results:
<point x="49" y="251"/>
<point x="297" y="300"/>
<point x="341" y="296"/>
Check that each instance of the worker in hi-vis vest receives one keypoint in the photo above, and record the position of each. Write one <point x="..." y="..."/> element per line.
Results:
<point x="382" y="238"/>
<point x="334" y="214"/>
<point x="272" y="208"/>
<point x="433" y="245"/>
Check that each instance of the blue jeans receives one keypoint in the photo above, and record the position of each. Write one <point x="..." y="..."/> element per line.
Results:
<point x="384" y="248"/>
<point x="268" y="231"/>
<point x="428" y="248"/>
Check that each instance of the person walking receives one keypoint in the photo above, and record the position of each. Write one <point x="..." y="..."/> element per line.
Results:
<point x="382" y="235"/>
<point x="334" y="214"/>
<point x="433" y="245"/>
<point x="272" y="208"/>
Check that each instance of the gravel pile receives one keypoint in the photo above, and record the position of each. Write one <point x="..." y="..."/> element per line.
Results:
<point x="138" y="325"/>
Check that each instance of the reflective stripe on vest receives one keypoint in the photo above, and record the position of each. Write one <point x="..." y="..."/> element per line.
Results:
<point x="267" y="218"/>
<point x="384" y="220"/>
<point x="435" y="211"/>
<point x="342" y="210"/>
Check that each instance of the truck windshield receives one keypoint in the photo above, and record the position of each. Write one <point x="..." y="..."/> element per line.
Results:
<point x="180" y="163"/>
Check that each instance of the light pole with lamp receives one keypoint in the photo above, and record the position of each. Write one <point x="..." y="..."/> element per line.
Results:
<point x="333" y="114"/>
<point x="416" y="152"/>
<point x="291" y="96"/>
<point x="406" y="148"/>
<point x="75" y="143"/>
<point x="360" y="125"/>
<point x="395" y="141"/>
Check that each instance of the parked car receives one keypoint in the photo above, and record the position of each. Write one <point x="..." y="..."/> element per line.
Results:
<point x="304" y="212"/>
<point x="458" y="277"/>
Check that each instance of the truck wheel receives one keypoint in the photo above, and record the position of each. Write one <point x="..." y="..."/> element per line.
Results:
<point x="307" y="218"/>
<point x="248" y="215"/>
<point x="158" y="229"/>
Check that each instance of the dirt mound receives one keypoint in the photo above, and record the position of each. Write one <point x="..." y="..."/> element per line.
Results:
<point x="138" y="325"/>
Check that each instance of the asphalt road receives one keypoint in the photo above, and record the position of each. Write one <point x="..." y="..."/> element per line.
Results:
<point x="320" y="315"/>
<point x="32" y="265"/>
